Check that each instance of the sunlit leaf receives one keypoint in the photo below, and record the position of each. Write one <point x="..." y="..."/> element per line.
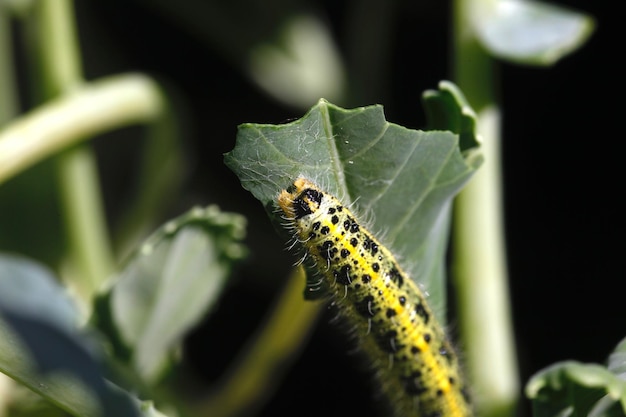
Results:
<point x="530" y="32"/>
<point x="400" y="180"/>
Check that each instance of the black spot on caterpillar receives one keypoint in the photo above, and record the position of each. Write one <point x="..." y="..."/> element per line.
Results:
<point x="418" y="369"/>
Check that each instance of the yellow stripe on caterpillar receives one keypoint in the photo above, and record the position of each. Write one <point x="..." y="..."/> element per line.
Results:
<point x="418" y="369"/>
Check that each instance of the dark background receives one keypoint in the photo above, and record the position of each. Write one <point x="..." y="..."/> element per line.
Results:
<point x="563" y="130"/>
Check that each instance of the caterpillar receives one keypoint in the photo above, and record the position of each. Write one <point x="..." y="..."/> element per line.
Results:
<point x="418" y="369"/>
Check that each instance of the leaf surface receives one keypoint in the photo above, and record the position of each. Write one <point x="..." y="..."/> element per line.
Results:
<point x="530" y="32"/>
<point x="577" y="389"/>
<point x="42" y="347"/>
<point x="171" y="282"/>
<point x="401" y="181"/>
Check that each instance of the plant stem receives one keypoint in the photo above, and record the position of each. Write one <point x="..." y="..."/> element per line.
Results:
<point x="480" y="264"/>
<point x="257" y="371"/>
<point x="8" y="96"/>
<point x="161" y="172"/>
<point x="93" y="108"/>
<point x="8" y="109"/>
<point x="55" y="46"/>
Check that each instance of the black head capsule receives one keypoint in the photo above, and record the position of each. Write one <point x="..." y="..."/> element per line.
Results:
<point x="308" y="201"/>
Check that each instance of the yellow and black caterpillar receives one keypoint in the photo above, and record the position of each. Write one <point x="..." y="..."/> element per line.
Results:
<point x="417" y="366"/>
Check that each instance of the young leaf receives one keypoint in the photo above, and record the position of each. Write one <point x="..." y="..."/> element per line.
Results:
<point x="529" y="32"/>
<point x="448" y="109"/>
<point x="170" y="282"/>
<point x="401" y="179"/>
<point x="575" y="389"/>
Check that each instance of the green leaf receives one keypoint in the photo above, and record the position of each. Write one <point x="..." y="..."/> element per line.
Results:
<point x="575" y="389"/>
<point x="31" y="288"/>
<point x="401" y="179"/>
<point x="529" y="32"/>
<point x="448" y="109"/>
<point x="169" y="284"/>
<point x="42" y="348"/>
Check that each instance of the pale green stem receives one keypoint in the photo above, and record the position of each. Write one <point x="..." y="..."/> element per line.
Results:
<point x="479" y="244"/>
<point x="93" y="108"/>
<point x="256" y="373"/>
<point x="55" y="45"/>
<point x="8" y="108"/>
<point x="8" y="95"/>
<point x="160" y="175"/>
